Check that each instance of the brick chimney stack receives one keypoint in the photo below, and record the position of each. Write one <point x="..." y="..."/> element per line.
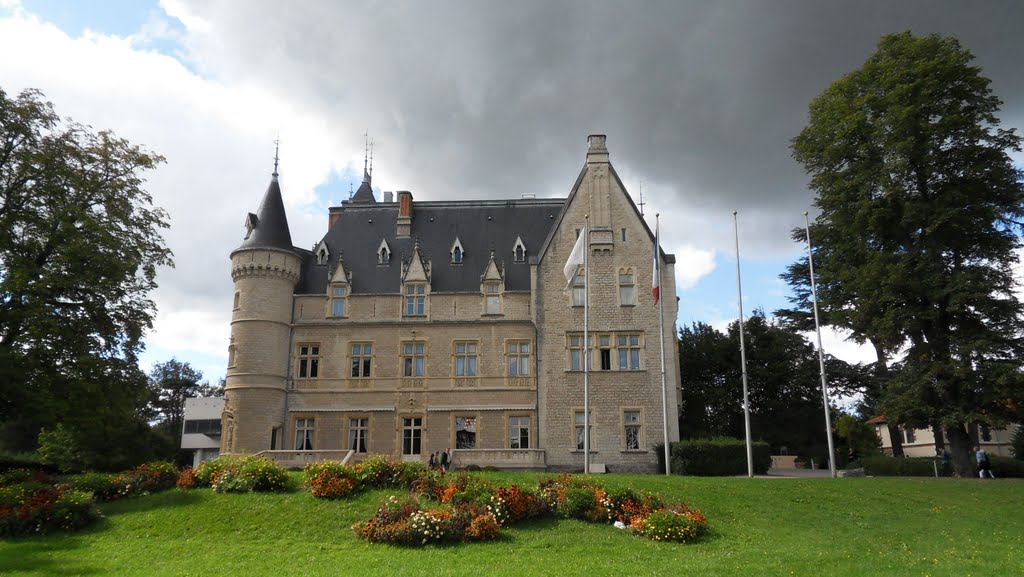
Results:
<point x="404" y="213"/>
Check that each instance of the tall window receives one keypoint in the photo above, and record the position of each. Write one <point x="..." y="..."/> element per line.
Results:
<point x="631" y="422"/>
<point x="457" y="255"/>
<point x="579" y="289"/>
<point x="627" y="288"/>
<point x="362" y="354"/>
<point x="309" y="361"/>
<point x="465" y="432"/>
<point x="339" y="301"/>
<point x="357" y="434"/>
<point x="579" y="430"/>
<point x="465" y="359"/>
<point x="576" y="352"/>
<point x="492" y="294"/>
<point x="415" y="300"/>
<point x="238" y="300"/>
<point x="412" y="359"/>
<point x="412" y="435"/>
<point x="304" y="434"/>
<point x="519" y="432"/>
<point x="605" y="349"/>
<point x="520" y="254"/>
<point x="908" y="435"/>
<point x="629" y="352"/>
<point x="519" y="358"/>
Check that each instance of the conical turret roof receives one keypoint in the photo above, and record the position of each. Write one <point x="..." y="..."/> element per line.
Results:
<point x="268" y="228"/>
<point x="364" y="194"/>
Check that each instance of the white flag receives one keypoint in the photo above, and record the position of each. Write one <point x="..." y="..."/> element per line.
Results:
<point x="575" y="258"/>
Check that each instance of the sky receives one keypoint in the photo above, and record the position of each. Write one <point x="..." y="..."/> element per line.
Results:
<point x="473" y="100"/>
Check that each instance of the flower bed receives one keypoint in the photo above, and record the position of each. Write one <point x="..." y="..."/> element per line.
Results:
<point x="236" y="475"/>
<point x="453" y="508"/>
<point x="33" y="503"/>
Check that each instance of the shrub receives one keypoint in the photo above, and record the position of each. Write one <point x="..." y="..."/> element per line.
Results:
<point x="22" y="475"/>
<point x="252" y="474"/>
<point x="578" y="503"/>
<point x="1006" y="467"/>
<point x="886" y="466"/>
<point x="156" y="475"/>
<point x="331" y="480"/>
<point x="29" y="509"/>
<point x="722" y="456"/>
<point x="483" y="528"/>
<point x="11" y="461"/>
<point x="101" y="485"/>
<point x="680" y="525"/>
<point x="187" y="479"/>
<point x="1017" y="443"/>
<point x="380" y="472"/>
<point x="206" y="470"/>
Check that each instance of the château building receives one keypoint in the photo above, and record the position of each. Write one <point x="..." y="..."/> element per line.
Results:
<point x="411" y="327"/>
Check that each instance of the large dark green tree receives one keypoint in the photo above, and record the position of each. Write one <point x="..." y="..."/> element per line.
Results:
<point x="80" y="245"/>
<point x="919" y="219"/>
<point x="171" y="383"/>
<point x="784" y="385"/>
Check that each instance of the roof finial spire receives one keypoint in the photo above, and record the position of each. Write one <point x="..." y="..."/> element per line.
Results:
<point x="277" y="145"/>
<point x="366" y="155"/>
<point x="641" y="203"/>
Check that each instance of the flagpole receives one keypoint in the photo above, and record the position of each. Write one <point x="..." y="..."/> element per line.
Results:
<point x="586" y="346"/>
<point x="661" y="331"/>
<point x="743" y="352"/>
<point x="821" y="352"/>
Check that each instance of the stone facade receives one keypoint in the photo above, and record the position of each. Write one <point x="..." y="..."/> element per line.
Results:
<point x="399" y="334"/>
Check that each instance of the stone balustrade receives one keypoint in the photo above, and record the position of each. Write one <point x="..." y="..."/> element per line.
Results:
<point x="521" y="459"/>
<point x="290" y="459"/>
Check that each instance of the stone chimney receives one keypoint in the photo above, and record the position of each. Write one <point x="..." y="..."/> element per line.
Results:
<point x="596" y="149"/>
<point x="404" y="214"/>
<point x="388" y="196"/>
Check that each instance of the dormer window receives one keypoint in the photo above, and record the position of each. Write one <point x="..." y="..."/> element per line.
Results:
<point x="383" y="252"/>
<point x="322" y="254"/>
<point x="519" y="251"/>
<point x="457" y="252"/>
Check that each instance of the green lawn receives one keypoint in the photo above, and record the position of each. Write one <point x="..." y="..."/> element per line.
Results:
<point x="813" y="527"/>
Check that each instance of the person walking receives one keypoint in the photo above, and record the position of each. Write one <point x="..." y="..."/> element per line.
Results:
<point x="432" y="463"/>
<point x="446" y="459"/>
<point x="983" y="465"/>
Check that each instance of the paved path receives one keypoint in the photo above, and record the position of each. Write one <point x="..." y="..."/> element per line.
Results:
<point x="802" y="473"/>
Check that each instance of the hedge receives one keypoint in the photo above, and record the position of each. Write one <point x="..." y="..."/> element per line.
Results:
<point x="718" y="457"/>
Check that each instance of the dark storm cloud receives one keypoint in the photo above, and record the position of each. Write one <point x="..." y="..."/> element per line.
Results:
<point x="495" y="99"/>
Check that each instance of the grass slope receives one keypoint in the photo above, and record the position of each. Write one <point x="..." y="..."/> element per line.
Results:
<point x="786" y="527"/>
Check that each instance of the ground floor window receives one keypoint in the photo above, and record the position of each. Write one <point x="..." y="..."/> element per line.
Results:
<point x="412" y="435"/>
<point x="631" y="422"/>
<point x="357" y="434"/>
<point x="304" y="429"/>
<point x="465" y="432"/>
<point x="579" y="431"/>
<point x="519" y="432"/>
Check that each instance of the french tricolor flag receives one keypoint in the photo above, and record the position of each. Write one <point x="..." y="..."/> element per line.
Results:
<point x="656" y="283"/>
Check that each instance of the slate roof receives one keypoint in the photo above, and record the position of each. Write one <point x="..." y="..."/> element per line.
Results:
<point x="364" y="193"/>
<point x="479" y="225"/>
<point x="270" y="228"/>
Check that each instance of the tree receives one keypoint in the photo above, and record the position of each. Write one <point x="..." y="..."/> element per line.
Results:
<point x="920" y="211"/>
<point x="784" y="385"/>
<point x="79" y="251"/>
<point x="172" y="382"/>
<point x="856" y="438"/>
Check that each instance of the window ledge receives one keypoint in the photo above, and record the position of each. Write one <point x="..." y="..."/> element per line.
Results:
<point x="634" y="451"/>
